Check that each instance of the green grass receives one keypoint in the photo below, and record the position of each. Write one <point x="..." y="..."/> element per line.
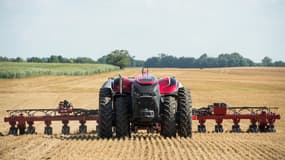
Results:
<point x="10" y="70"/>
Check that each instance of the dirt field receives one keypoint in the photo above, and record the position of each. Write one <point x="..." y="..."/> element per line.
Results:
<point x="235" y="86"/>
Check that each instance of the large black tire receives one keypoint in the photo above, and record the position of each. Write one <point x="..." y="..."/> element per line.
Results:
<point x="184" y="116"/>
<point x="122" y="104"/>
<point x="168" y="120"/>
<point x="105" y="113"/>
<point x="190" y="112"/>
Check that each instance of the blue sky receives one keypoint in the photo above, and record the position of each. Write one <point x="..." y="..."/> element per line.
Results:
<point x="93" y="28"/>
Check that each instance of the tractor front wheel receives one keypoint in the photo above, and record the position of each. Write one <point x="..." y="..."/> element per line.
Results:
<point x="105" y="113"/>
<point x="122" y="104"/>
<point x="168" y="122"/>
<point x="184" y="116"/>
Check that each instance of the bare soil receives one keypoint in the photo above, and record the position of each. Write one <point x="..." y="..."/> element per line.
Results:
<point x="235" y="86"/>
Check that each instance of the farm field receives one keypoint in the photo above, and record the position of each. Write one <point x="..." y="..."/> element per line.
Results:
<point x="12" y="70"/>
<point x="235" y="86"/>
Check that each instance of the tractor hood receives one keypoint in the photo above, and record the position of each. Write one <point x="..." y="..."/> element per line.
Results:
<point x="146" y="79"/>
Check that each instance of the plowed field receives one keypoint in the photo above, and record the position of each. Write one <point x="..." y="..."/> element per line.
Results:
<point x="235" y="86"/>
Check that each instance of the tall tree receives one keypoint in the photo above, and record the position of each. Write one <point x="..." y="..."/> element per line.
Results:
<point x="119" y="58"/>
<point x="266" y="61"/>
<point x="202" y="61"/>
<point x="102" y="59"/>
<point x="19" y="59"/>
<point x="53" y="59"/>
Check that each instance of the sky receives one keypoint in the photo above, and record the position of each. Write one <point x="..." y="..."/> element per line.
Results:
<point x="93" y="28"/>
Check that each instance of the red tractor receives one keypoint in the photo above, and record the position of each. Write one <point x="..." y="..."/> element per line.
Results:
<point x="144" y="102"/>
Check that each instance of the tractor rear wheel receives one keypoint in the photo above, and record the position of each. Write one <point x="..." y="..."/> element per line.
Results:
<point x="168" y="122"/>
<point x="184" y="110"/>
<point x="122" y="120"/>
<point x="105" y="113"/>
<point x="190" y="112"/>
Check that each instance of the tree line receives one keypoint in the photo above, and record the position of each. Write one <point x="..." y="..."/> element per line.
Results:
<point x="204" y="61"/>
<point x="123" y="59"/>
<point x="119" y="58"/>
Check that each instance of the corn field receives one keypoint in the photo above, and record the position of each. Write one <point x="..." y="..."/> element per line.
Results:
<point x="11" y="70"/>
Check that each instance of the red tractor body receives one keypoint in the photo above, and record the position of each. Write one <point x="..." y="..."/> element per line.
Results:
<point x="167" y="85"/>
<point x="144" y="102"/>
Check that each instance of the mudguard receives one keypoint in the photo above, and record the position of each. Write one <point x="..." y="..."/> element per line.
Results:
<point x="168" y="85"/>
<point x="126" y="85"/>
<point x="107" y="84"/>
